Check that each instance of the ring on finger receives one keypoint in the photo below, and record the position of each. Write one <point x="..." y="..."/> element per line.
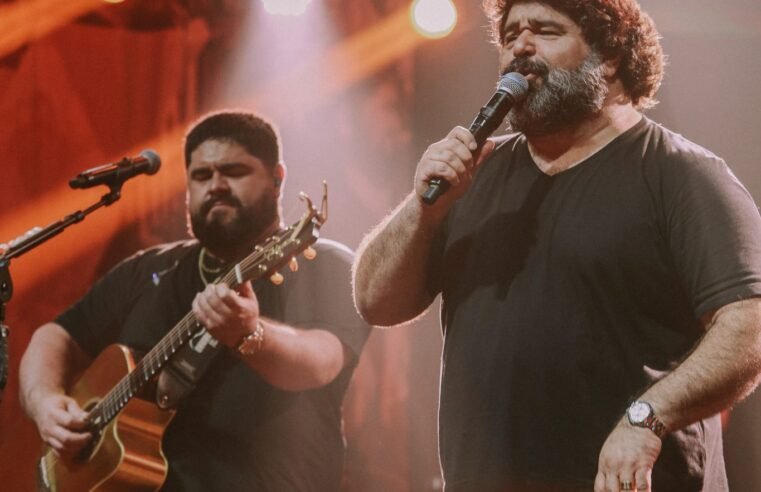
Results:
<point x="626" y="485"/>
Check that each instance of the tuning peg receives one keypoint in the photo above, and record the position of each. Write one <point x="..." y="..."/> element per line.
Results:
<point x="293" y="264"/>
<point x="276" y="278"/>
<point x="310" y="253"/>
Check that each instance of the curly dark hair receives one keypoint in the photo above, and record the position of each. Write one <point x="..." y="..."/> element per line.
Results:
<point x="617" y="29"/>
<point x="252" y="132"/>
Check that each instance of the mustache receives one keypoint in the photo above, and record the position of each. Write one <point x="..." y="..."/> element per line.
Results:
<point x="217" y="199"/>
<point x="528" y="66"/>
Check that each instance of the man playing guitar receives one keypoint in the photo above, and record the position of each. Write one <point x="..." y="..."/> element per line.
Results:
<point x="264" y="412"/>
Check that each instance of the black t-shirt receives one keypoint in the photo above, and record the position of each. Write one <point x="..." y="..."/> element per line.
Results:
<point x="234" y="431"/>
<point x="564" y="297"/>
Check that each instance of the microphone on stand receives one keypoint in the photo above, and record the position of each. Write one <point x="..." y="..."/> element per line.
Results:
<point x="116" y="173"/>
<point x="512" y="89"/>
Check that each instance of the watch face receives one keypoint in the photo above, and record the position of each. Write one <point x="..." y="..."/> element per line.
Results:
<point x="638" y="412"/>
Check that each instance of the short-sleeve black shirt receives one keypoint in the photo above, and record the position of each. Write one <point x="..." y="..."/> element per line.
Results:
<point x="565" y="296"/>
<point x="234" y="431"/>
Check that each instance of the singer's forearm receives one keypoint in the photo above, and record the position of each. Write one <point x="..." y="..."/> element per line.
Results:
<point x="722" y="370"/>
<point x="391" y="266"/>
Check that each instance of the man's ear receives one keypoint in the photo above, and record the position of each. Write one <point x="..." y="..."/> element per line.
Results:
<point x="279" y="174"/>
<point x="610" y="67"/>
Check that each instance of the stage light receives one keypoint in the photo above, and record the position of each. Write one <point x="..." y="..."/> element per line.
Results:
<point x="433" y="18"/>
<point x="286" y="7"/>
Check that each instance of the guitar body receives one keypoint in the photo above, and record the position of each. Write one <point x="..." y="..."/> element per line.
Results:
<point x="127" y="455"/>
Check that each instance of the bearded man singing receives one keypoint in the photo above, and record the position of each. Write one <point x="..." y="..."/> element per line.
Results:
<point x="600" y="275"/>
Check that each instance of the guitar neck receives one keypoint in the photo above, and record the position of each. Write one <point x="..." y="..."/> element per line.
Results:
<point x="144" y="371"/>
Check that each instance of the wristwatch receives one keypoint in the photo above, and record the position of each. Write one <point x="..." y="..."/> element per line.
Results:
<point x="641" y="414"/>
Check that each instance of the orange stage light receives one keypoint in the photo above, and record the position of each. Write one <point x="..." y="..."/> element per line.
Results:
<point x="27" y="21"/>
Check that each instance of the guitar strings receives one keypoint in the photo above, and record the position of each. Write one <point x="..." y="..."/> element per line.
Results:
<point x="119" y="396"/>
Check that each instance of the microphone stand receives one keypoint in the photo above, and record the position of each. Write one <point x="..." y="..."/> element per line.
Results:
<point x="26" y="244"/>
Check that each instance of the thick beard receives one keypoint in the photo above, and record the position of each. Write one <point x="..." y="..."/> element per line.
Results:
<point x="565" y="99"/>
<point x="233" y="239"/>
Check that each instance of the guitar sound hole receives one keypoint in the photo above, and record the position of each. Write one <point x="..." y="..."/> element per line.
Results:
<point x="92" y="447"/>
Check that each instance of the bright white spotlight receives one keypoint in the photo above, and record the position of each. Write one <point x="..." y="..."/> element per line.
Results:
<point x="433" y="18"/>
<point x="285" y="7"/>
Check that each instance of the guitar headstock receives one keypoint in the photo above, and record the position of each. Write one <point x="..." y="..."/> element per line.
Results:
<point x="280" y="249"/>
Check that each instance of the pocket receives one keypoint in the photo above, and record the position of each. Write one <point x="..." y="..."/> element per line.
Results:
<point x="681" y="464"/>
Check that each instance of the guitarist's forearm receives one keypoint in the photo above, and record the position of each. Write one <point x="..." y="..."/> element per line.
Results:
<point x="49" y="365"/>
<point x="296" y="359"/>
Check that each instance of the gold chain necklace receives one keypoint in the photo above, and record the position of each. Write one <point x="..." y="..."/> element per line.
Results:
<point x="203" y="269"/>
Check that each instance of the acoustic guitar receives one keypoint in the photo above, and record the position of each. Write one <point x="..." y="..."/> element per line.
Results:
<point x="125" y="452"/>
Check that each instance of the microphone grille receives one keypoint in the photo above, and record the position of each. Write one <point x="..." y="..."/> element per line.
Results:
<point x="154" y="161"/>
<point x="514" y="84"/>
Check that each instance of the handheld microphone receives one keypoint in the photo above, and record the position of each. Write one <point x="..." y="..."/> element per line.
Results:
<point x="116" y="173"/>
<point x="512" y="89"/>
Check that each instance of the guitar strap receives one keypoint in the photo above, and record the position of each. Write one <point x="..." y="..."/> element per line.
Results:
<point x="185" y="368"/>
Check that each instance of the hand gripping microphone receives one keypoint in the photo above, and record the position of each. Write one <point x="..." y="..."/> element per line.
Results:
<point x="116" y="173"/>
<point x="512" y="89"/>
